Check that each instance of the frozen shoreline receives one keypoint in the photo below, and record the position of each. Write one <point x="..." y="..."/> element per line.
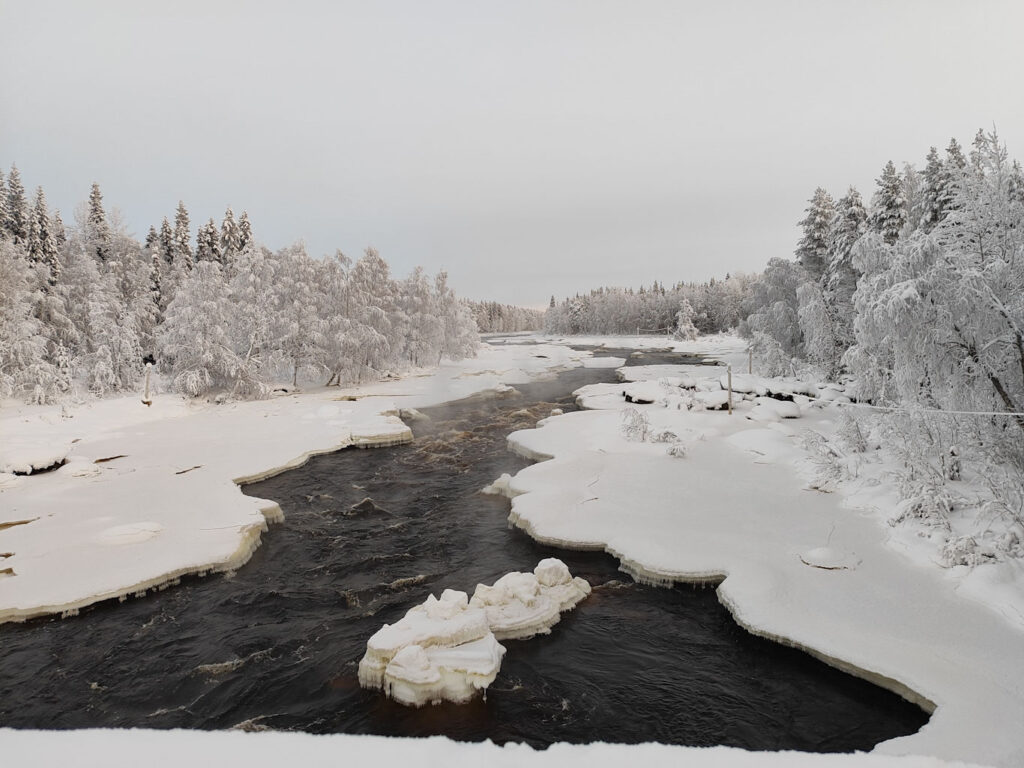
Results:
<point x="164" y="500"/>
<point x="734" y="510"/>
<point x="690" y="519"/>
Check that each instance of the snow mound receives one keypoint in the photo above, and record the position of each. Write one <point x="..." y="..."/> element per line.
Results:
<point x="447" y="648"/>
<point x="714" y="400"/>
<point x="521" y="605"/>
<point x="767" y="409"/>
<point x="646" y="392"/>
<point x="79" y="466"/>
<point x="23" y="457"/>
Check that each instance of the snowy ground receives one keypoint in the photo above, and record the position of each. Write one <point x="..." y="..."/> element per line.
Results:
<point x="174" y="749"/>
<point x="799" y="565"/>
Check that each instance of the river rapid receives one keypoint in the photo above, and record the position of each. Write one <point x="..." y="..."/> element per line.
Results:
<point x="370" y="533"/>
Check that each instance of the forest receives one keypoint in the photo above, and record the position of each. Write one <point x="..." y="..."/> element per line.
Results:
<point x="915" y="302"/>
<point x="84" y="307"/>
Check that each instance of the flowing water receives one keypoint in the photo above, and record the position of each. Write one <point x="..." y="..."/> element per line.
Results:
<point x="368" y="534"/>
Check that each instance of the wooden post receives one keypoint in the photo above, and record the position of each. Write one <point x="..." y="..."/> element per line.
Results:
<point x="730" y="390"/>
<point x="145" y="397"/>
<point x="750" y="360"/>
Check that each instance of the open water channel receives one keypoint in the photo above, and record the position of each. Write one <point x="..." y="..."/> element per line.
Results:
<point x="370" y="533"/>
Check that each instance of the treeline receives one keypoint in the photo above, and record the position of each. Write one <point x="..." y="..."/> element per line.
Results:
<point x="492" y="317"/>
<point x="86" y="306"/>
<point x="918" y="301"/>
<point x="711" y="307"/>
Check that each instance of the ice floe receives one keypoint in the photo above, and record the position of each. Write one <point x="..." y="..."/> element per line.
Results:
<point x="447" y="648"/>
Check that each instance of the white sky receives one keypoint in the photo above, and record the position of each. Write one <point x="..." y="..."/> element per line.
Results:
<point x="529" y="148"/>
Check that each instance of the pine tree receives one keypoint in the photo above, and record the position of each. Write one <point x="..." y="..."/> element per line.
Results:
<point x="152" y="240"/>
<point x="933" y="211"/>
<point x="244" y="231"/>
<point x="208" y="243"/>
<point x="167" y="242"/>
<point x="230" y="237"/>
<point x="951" y="178"/>
<point x="47" y="252"/>
<point x="889" y="205"/>
<point x="182" y="241"/>
<point x="811" y="252"/>
<point x="98" y="229"/>
<point x="17" y="208"/>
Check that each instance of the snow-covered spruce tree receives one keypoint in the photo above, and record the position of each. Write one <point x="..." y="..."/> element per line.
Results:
<point x="45" y="255"/>
<point x="244" y="231"/>
<point x="96" y="228"/>
<point x="932" y="198"/>
<point x="850" y="223"/>
<point x="181" y="242"/>
<point x="18" y="216"/>
<point x="208" y="243"/>
<point x="812" y="249"/>
<point x="230" y="237"/>
<point x="951" y="178"/>
<point x="889" y="205"/>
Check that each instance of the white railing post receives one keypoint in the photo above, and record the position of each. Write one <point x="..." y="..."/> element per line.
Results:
<point x="730" y="390"/>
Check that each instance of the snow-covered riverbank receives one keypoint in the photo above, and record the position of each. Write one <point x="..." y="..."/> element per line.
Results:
<point x="798" y="565"/>
<point x="148" y="495"/>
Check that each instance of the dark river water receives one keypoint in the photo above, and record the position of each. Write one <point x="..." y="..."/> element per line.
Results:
<point x="276" y="645"/>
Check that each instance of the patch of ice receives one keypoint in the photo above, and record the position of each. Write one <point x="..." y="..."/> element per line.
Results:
<point x="521" y="605"/>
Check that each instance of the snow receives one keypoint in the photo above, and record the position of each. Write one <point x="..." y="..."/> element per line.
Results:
<point x="149" y="494"/>
<point x="447" y="649"/>
<point x="815" y="570"/>
<point x="174" y="749"/>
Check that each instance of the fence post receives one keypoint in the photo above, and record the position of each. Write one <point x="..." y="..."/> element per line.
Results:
<point x="145" y="397"/>
<point x="730" y="390"/>
<point x="750" y="360"/>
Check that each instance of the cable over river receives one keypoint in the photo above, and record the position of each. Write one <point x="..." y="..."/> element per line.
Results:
<point x="369" y="534"/>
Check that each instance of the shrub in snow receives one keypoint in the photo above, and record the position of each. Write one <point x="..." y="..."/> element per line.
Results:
<point x="635" y="425"/>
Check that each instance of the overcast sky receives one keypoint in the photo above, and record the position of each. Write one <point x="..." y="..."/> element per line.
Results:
<point x="529" y="148"/>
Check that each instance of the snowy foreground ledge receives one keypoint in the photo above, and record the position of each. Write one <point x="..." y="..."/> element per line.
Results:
<point x="447" y="648"/>
<point x="148" y="495"/>
<point x="794" y="565"/>
<point x="174" y="749"/>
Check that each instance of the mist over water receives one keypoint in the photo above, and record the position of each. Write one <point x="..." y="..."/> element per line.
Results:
<point x="370" y="533"/>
